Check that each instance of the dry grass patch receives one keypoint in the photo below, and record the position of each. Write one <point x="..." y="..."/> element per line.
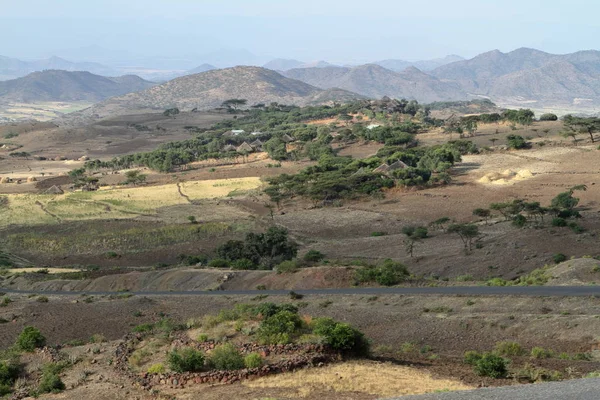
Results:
<point x="47" y="270"/>
<point x="381" y="379"/>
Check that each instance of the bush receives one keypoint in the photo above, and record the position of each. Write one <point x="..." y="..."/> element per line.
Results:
<point x="9" y="373"/>
<point x="186" y="360"/>
<point x="143" y="328"/>
<point x="471" y="357"/>
<point x="548" y="117"/>
<point x="558" y="258"/>
<point x="559" y="222"/>
<point x="509" y="349"/>
<point x="519" y="220"/>
<point x="279" y="328"/>
<point x="156" y="368"/>
<point x="51" y="383"/>
<point x="341" y="337"/>
<point x="243" y="264"/>
<point x="388" y="274"/>
<point x="516" y="142"/>
<point x="253" y="360"/>
<point x="30" y="339"/>
<point x="491" y="365"/>
<point x="314" y="256"/>
<point x="540" y="352"/>
<point x="287" y="267"/>
<point x="226" y="357"/>
<point x="203" y="337"/>
<point x="218" y="263"/>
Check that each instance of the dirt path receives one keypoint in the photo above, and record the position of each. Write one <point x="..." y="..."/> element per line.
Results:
<point x="185" y="196"/>
<point x="47" y="212"/>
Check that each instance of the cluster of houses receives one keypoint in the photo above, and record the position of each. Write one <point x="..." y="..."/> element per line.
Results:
<point x="255" y="146"/>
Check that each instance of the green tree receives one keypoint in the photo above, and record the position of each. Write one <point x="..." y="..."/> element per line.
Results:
<point x="134" y="177"/>
<point x="414" y="234"/>
<point x="30" y="339"/>
<point x="234" y="104"/>
<point x="482" y="213"/>
<point x="467" y="233"/>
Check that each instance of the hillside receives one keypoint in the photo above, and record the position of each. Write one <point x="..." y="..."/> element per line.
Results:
<point x="528" y="75"/>
<point x="57" y="85"/>
<point x="199" y="69"/>
<point x="375" y="81"/>
<point x="209" y="89"/>
<point x="12" y="68"/>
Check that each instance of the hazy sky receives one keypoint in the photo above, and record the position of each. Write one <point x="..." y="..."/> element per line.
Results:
<point x="348" y="31"/>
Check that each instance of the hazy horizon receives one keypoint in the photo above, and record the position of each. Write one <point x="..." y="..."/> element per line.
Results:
<point x="342" y="32"/>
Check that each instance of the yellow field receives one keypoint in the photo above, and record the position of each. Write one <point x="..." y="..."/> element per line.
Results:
<point x="380" y="379"/>
<point x="28" y="209"/>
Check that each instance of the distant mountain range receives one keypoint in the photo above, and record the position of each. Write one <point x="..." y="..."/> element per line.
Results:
<point x="58" y="85"/>
<point x="423" y="65"/>
<point x="209" y="89"/>
<point x="12" y="68"/>
<point x="374" y="81"/>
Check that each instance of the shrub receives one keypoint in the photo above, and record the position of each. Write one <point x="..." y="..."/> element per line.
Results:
<point x="378" y="233"/>
<point x="558" y="258"/>
<point x="186" y="360"/>
<point x="559" y="222"/>
<point x="158" y="368"/>
<point x="218" y="263"/>
<point x="548" y="117"/>
<point x="97" y="338"/>
<point x="287" y="267"/>
<point x="203" y="337"/>
<point x="9" y="373"/>
<point x="51" y="383"/>
<point x="388" y="274"/>
<point x="226" y="357"/>
<point x="519" y="220"/>
<point x="540" y="352"/>
<point x="509" y="349"/>
<point x="314" y="256"/>
<point x="516" y="142"/>
<point x="30" y="339"/>
<point x="243" y="264"/>
<point x="341" y="337"/>
<point x="471" y="357"/>
<point x="278" y="328"/>
<point x="491" y="365"/>
<point x="253" y="360"/>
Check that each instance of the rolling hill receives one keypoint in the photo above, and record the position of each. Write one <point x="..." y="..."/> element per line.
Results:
<point x="209" y="89"/>
<point x="374" y="81"/>
<point x="58" y="85"/>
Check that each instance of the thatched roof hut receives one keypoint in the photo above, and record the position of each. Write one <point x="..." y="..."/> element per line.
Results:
<point x="31" y="179"/>
<point x="244" y="148"/>
<point x="382" y="169"/>
<point x="398" y="165"/>
<point x="287" y="138"/>
<point x="54" y="190"/>
<point x="229" y="147"/>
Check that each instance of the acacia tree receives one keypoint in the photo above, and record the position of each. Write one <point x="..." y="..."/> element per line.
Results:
<point x="482" y="213"/>
<point x="234" y="104"/>
<point x="414" y="234"/>
<point x="575" y="125"/>
<point x="467" y="233"/>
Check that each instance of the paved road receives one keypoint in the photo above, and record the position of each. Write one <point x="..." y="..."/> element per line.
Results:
<point x="580" y="389"/>
<point x="544" y="291"/>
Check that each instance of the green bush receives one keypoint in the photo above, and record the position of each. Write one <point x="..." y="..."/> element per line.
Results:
<point x="203" y="337"/>
<point x="287" y="267"/>
<point x="548" y="117"/>
<point x="491" y="365"/>
<point x="279" y="328"/>
<point x="314" y="256"/>
<point x="243" y="264"/>
<point x="558" y="258"/>
<point x="519" y="220"/>
<point x="540" y="352"/>
<point x="51" y="382"/>
<point x="516" y="142"/>
<point x="226" y="357"/>
<point x="387" y="274"/>
<point x="509" y="349"/>
<point x="253" y="360"/>
<point x="218" y="263"/>
<point x="158" y="368"/>
<point x="471" y="357"/>
<point x="559" y="222"/>
<point x="341" y="337"/>
<point x="30" y="339"/>
<point x="186" y="359"/>
<point x="9" y="373"/>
